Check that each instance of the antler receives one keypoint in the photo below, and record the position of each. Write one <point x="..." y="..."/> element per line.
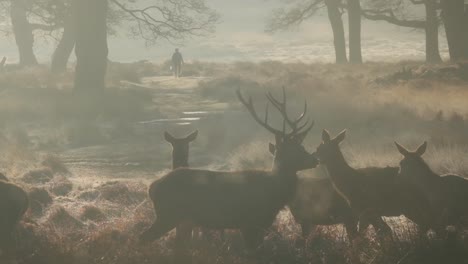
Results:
<point x="298" y="130"/>
<point x="281" y="106"/>
<point x="264" y="123"/>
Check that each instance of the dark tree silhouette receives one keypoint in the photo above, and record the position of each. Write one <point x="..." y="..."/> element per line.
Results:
<point x="23" y="32"/>
<point x="455" y="17"/>
<point x="354" y="18"/>
<point x="90" y="19"/>
<point x="393" y="11"/>
<point x="339" y="40"/>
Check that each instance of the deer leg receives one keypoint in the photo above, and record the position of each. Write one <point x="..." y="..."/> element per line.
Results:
<point x="182" y="241"/>
<point x="7" y="247"/>
<point x="351" y="228"/>
<point x="306" y="229"/>
<point x="222" y="235"/>
<point x="253" y="238"/>
<point x="381" y="225"/>
<point x="159" y="228"/>
<point x="382" y="229"/>
<point x="364" y="223"/>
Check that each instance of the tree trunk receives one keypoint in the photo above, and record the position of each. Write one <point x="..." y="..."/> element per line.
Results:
<point x="64" y="48"/>
<point x="23" y="33"/>
<point x="453" y="14"/>
<point x="354" y="18"/>
<point x="336" y="22"/>
<point x="465" y="25"/>
<point x="90" y="19"/>
<point x="432" y="32"/>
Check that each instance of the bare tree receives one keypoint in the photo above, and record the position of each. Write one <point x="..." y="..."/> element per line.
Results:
<point x="90" y="20"/>
<point x="23" y="32"/>
<point x="455" y="17"/>
<point x="297" y="11"/>
<point x="334" y="15"/>
<point x="28" y="17"/>
<point x="394" y="12"/>
<point x="354" y="18"/>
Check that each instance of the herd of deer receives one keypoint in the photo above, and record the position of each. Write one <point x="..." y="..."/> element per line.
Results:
<point x="250" y="200"/>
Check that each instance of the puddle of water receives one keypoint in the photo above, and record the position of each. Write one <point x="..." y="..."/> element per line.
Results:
<point x="196" y="113"/>
<point x="174" y="120"/>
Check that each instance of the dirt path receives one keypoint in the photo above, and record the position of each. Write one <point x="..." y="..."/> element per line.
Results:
<point x="180" y="108"/>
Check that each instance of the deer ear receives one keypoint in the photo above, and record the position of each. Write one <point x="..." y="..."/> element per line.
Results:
<point x="272" y="148"/>
<point x="168" y="137"/>
<point x="192" y="136"/>
<point x="338" y="139"/>
<point x="422" y="149"/>
<point x="402" y="149"/>
<point x="326" y="136"/>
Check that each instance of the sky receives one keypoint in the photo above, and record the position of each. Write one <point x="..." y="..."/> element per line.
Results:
<point x="240" y="36"/>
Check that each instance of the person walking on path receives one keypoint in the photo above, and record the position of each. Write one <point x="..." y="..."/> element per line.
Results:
<point x="177" y="62"/>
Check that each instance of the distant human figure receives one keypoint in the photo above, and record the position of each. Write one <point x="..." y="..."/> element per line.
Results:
<point x="2" y="63"/>
<point x="177" y="62"/>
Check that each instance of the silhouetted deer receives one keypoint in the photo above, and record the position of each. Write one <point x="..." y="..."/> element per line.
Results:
<point x="371" y="192"/>
<point x="13" y="204"/>
<point x="245" y="200"/>
<point x="447" y="194"/>
<point x="318" y="203"/>
<point x="180" y="149"/>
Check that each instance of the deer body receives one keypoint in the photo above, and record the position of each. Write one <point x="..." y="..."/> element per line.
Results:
<point x="446" y="194"/>
<point x="224" y="200"/>
<point x="371" y="192"/>
<point x="13" y="205"/>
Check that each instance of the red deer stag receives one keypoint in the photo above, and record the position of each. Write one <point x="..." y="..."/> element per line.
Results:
<point x="447" y="194"/>
<point x="371" y="192"/>
<point x="13" y="205"/>
<point x="245" y="200"/>
<point x="316" y="202"/>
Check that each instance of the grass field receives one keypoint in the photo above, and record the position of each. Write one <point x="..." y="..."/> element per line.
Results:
<point x="87" y="163"/>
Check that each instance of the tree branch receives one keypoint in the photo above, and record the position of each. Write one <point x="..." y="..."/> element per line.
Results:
<point x="388" y="16"/>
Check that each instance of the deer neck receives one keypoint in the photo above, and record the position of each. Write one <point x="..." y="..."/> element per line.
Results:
<point x="176" y="165"/>
<point x="179" y="161"/>
<point x="427" y="180"/>
<point x="287" y="179"/>
<point x="340" y="172"/>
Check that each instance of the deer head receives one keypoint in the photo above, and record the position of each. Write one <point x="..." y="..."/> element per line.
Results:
<point x="288" y="151"/>
<point x="180" y="148"/>
<point x="412" y="165"/>
<point x="329" y="147"/>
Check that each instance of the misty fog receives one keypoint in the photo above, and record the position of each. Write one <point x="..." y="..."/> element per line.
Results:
<point x="233" y="132"/>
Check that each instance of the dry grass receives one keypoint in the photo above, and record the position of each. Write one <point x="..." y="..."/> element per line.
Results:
<point x="89" y="200"/>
